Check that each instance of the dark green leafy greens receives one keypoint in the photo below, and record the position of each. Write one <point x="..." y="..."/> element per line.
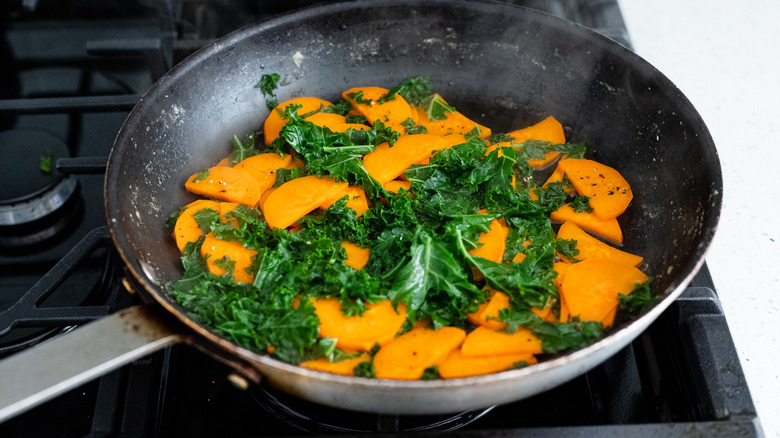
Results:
<point x="581" y="204"/>
<point x="420" y="245"/>
<point x="44" y="163"/>
<point x="243" y="149"/>
<point x="639" y="300"/>
<point x="267" y="85"/>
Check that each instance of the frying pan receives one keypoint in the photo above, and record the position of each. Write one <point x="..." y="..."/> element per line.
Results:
<point x="505" y="66"/>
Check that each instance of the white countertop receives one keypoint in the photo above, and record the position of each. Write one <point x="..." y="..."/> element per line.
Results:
<point x="724" y="57"/>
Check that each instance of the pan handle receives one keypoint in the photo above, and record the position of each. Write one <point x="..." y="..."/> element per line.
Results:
<point x="40" y="373"/>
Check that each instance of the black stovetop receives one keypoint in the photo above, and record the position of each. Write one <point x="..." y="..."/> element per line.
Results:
<point x="74" y="69"/>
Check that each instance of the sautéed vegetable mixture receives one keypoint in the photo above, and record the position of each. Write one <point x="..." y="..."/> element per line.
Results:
<point x="387" y="235"/>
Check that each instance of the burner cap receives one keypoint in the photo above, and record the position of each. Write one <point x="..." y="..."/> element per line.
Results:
<point x="32" y="187"/>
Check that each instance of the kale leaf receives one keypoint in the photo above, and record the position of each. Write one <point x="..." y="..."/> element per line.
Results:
<point x="268" y="84"/>
<point x="639" y="300"/>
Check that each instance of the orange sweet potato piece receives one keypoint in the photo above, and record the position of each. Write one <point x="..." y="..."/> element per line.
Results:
<point x="263" y="167"/>
<point x="449" y="141"/>
<point x="484" y="341"/>
<point x="226" y="184"/>
<point x="591" y="287"/>
<point x="609" y="192"/>
<point x="186" y="229"/>
<point x="560" y="268"/>
<point x="407" y="357"/>
<point x="608" y="229"/>
<point x="357" y="257"/>
<point x="391" y="113"/>
<point x="454" y="139"/>
<point x="456" y="365"/>
<point x="328" y="120"/>
<point x="345" y="367"/>
<point x="225" y="208"/>
<point x="454" y="123"/>
<point x="225" y="162"/>
<point x="386" y="163"/>
<point x="609" y="318"/>
<point x="379" y="324"/>
<point x="493" y="242"/>
<point x="344" y="127"/>
<point x="297" y="197"/>
<point x="543" y="313"/>
<point x="357" y="200"/>
<point x="592" y="248"/>
<point x="548" y="129"/>
<point x="214" y="249"/>
<point x="396" y="184"/>
<point x="487" y="315"/>
<point x="274" y="122"/>
<point x="265" y="196"/>
<point x="557" y="176"/>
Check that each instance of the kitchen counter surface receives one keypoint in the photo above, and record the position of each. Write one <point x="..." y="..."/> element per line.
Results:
<point x="724" y="59"/>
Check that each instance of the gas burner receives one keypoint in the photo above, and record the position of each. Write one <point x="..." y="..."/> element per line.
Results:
<point x="32" y="187"/>
<point x="37" y="203"/>
<point x="319" y="419"/>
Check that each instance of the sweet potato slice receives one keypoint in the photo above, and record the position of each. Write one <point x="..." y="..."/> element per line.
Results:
<point x="265" y="196"/>
<point x="592" y="248"/>
<point x="357" y="200"/>
<point x="297" y="197"/>
<point x="548" y="129"/>
<point x="328" y="120"/>
<point x="449" y="141"/>
<point x="214" y="249"/>
<point x="488" y="342"/>
<point x="487" y="315"/>
<point x="560" y="268"/>
<point x="493" y="242"/>
<point x="454" y="139"/>
<point x="226" y="184"/>
<point x="392" y="113"/>
<point x="263" y="167"/>
<point x="557" y="176"/>
<point x="543" y="313"/>
<point x="344" y="127"/>
<point x="225" y="208"/>
<point x="608" y="229"/>
<point x="379" y="324"/>
<point x="407" y="357"/>
<point x="274" y="122"/>
<point x="187" y="229"/>
<point x="396" y="185"/>
<point x="453" y="123"/>
<point x="344" y="368"/>
<point x="591" y="287"/>
<point x="357" y="257"/>
<point x="609" y="318"/>
<point x="609" y="192"/>
<point x="386" y="163"/>
<point x="456" y="365"/>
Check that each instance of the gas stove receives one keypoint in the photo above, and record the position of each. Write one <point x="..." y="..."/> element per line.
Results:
<point x="71" y="71"/>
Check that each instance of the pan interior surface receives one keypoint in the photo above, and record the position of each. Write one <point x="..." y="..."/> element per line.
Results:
<point x="504" y="67"/>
